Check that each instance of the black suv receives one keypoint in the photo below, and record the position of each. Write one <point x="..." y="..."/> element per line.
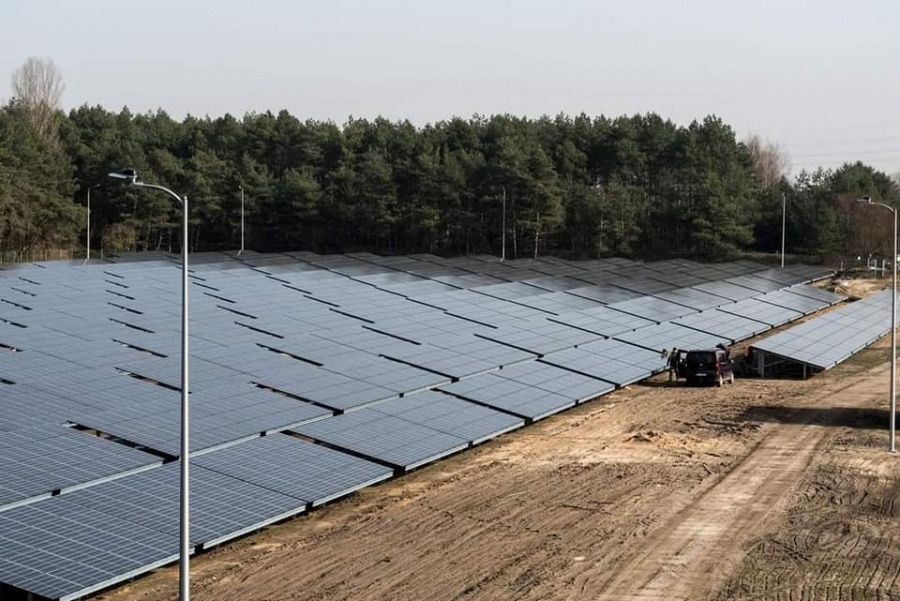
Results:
<point x="707" y="367"/>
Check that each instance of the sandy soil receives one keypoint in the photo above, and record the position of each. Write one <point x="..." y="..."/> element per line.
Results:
<point x="767" y="489"/>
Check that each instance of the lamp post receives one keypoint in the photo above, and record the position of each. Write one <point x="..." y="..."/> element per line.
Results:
<point x="184" y="593"/>
<point x="242" y="220"/>
<point x="893" y="388"/>
<point x="87" y="238"/>
<point x="783" y="224"/>
<point x="503" y="233"/>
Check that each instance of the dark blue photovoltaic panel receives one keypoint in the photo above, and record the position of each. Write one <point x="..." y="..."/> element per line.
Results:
<point x="539" y="336"/>
<point x="643" y="285"/>
<point x="759" y="284"/>
<point x="602" y="321"/>
<point x="222" y="507"/>
<point x="557" y="303"/>
<point x="40" y="460"/>
<point x="723" y="326"/>
<point x="555" y="380"/>
<point x="57" y="548"/>
<point x="384" y="438"/>
<point x="458" y="359"/>
<point x="450" y="415"/>
<point x="809" y="273"/>
<point x="533" y="390"/>
<point x="670" y="335"/>
<point x="825" y="341"/>
<point x="294" y="467"/>
<point x="652" y="308"/>
<point x="727" y="290"/>
<point x="817" y="293"/>
<point x="677" y="279"/>
<point x="796" y="302"/>
<point x="692" y="298"/>
<point x="604" y="293"/>
<point x="766" y="313"/>
<point x="613" y="361"/>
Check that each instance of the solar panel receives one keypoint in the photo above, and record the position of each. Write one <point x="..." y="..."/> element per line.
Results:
<point x="457" y="361"/>
<point x="59" y="549"/>
<point x="384" y="438"/>
<point x="300" y="469"/>
<point x="652" y="308"/>
<point x="511" y="290"/>
<point x="754" y="282"/>
<point x="539" y="336"/>
<point x="670" y="335"/>
<point x="643" y="285"/>
<point x="558" y="282"/>
<point x="830" y="298"/>
<point x="692" y="298"/>
<point x="222" y="507"/>
<point x="450" y="415"/>
<point x="762" y="312"/>
<point x="531" y="390"/>
<point x="559" y="303"/>
<point x="602" y="321"/>
<point x="604" y="293"/>
<point x="809" y="273"/>
<point x="825" y="341"/>
<point x="727" y="290"/>
<point x="612" y="361"/>
<point x="678" y="279"/>
<point x="722" y="325"/>
<point x="789" y="300"/>
<point x="38" y="460"/>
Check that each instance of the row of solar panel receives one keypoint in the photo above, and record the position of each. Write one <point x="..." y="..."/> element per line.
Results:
<point x="57" y="370"/>
<point x="71" y="545"/>
<point x="827" y="340"/>
<point x="154" y="424"/>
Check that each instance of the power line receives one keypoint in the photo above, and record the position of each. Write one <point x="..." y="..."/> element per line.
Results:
<point x="847" y="141"/>
<point x="844" y="161"/>
<point x="844" y="153"/>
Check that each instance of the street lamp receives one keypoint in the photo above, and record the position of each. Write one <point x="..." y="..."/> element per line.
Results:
<point x="130" y="175"/>
<point x="242" y="220"/>
<point x="87" y="239"/>
<point x="893" y="388"/>
<point x="783" y="224"/>
<point x="503" y="232"/>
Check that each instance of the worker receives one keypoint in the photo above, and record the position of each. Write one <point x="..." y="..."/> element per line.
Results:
<point x="673" y="364"/>
<point x="721" y="346"/>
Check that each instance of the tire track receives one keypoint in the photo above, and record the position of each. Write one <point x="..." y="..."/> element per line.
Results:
<point x="698" y="549"/>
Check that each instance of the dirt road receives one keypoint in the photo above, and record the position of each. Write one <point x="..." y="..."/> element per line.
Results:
<point x="768" y="489"/>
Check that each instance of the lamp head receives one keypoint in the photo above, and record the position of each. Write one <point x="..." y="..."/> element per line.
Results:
<point x="130" y="175"/>
<point x="864" y="199"/>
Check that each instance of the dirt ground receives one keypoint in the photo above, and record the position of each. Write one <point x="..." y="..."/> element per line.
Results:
<point x="767" y="489"/>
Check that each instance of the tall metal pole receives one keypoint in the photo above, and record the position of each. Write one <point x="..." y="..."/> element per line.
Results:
<point x="184" y="569"/>
<point x="503" y="233"/>
<point x="894" y="341"/>
<point x="242" y="220"/>
<point x="184" y="573"/>
<point x="783" y="223"/>
<point x="87" y="237"/>
<point x="893" y="387"/>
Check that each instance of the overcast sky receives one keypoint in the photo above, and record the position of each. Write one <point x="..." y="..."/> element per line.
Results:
<point x="819" y="77"/>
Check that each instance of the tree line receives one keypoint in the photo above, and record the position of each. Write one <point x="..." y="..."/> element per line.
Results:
<point x="639" y="186"/>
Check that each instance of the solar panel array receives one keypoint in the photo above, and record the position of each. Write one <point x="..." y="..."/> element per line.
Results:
<point x="825" y="341"/>
<point x="311" y="377"/>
